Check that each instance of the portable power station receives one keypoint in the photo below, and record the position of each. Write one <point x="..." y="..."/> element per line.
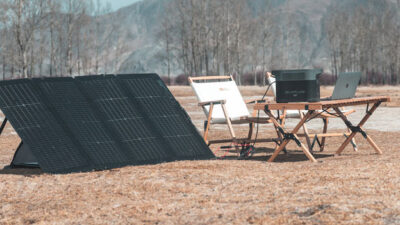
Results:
<point x="297" y="85"/>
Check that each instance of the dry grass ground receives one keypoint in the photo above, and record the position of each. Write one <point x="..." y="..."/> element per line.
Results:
<point x="355" y="188"/>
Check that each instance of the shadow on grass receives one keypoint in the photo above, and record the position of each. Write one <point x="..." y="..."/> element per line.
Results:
<point x="28" y="172"/>
<point x="263" y="154"/>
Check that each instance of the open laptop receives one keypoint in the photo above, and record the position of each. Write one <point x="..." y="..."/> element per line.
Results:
<point x="346" y="86"/>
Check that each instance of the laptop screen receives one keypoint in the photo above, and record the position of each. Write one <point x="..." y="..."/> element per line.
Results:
<point x="346" y="85"/>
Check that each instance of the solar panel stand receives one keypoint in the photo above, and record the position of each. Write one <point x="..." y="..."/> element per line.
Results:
<point x="23" y="157"/>
<point x="21" y="147"/>
<point x="3" y="125"/>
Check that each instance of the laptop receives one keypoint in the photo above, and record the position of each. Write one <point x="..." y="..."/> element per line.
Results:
<point x="346" y="86"/>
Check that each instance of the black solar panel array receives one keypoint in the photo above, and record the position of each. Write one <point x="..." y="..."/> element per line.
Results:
<point x="100" y="122"/>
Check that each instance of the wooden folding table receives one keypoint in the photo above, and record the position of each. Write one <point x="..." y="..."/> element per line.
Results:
<point x="313" y="110"/>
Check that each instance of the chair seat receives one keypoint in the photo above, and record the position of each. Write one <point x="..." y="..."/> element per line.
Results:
<point x="294" y="113"/>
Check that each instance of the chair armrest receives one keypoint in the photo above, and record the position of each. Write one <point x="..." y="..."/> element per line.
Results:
<point x="254" y="101"/>
<point x="212" y="102"/>
<point x="269" y="74"/>
<point x="327" y="115"/>
<point x="349" y="112"/>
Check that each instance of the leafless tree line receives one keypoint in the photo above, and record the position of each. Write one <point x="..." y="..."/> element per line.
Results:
<point x="224" y="37"/>
<point x="367" y="39"/>
<point x="212" y="37"/>
<point x="54" y="38"/>
<point x="207" y="37"/>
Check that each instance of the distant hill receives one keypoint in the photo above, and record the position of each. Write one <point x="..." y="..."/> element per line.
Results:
<point x="137" y="28"/>
<point x="139" y="22"/>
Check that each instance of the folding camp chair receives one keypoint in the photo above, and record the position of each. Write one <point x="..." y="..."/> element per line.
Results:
<point x="222" y="103"/>
<point x="325" y="116"/>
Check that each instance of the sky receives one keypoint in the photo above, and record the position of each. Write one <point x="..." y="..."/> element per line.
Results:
<point x="116" y="4"/>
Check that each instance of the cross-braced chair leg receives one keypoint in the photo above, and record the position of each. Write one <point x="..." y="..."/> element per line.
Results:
<point x="325" y="129"/>
<point x="207" y="125"/>
<point x="251" y="127"/>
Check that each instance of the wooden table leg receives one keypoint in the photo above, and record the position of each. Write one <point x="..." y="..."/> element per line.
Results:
<point x="279" y="134"/>
<point x="353" y="133"/>
<point x="307" y="151"/>
<point x="294" y="131"/>
<point x="345" y="143"/>
<point x="278" y="150"/>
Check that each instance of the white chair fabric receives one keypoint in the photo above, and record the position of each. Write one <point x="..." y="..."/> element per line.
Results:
<point x="224" y="90"/>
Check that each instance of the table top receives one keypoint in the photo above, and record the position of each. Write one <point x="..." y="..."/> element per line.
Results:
<point x="322" y="104"/>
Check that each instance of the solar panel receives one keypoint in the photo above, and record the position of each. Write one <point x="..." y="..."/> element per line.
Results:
<point x="86" y="126"/>
<point x="125" y="119"/>
<point x="39" y="129"/>
<point x="167" y="116"/>
<point x="100" y="122"/>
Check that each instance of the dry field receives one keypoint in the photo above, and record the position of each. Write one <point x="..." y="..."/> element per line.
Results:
<point x="355" y="188"/>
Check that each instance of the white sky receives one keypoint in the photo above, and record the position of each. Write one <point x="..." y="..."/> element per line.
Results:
<point x="116" y="4"/>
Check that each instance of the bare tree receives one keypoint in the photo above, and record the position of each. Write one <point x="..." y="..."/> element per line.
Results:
<point x="4" y="45"/>
<point x="366" y="39"/>
<point x="25" y="17"/>
<point x="165" y="34"/>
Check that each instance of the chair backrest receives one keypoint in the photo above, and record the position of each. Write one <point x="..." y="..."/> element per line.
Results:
<point x="272" y="80"/>
<point x="214" y="90"/>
